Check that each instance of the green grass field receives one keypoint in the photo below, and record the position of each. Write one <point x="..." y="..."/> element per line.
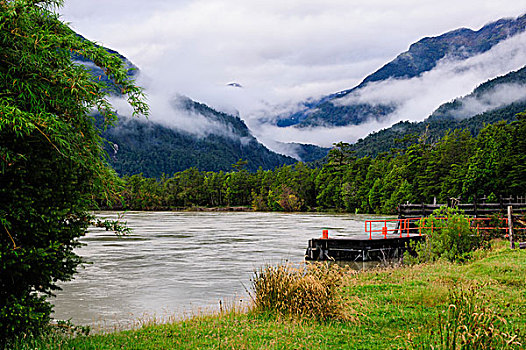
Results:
<point x="417" y="307"/>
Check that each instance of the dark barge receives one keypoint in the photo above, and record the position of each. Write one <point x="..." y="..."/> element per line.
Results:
<point x="344" y="249"/>
<point x="399" y="234"/>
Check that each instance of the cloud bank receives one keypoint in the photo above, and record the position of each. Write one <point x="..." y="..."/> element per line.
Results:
<point x="499" y="96"/>
<point x="418" y="97"/>
<point x="281" y="52"/>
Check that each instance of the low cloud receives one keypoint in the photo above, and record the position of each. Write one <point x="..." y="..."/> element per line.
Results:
<point x="281" y="52"/>
<point x="169" y="111"/>
<point x="418" y="97"/>
<point x="274" y="136"/>
<point x="499" y="96"/>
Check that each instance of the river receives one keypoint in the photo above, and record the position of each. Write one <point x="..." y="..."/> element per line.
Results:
<point x="179" y="263"/>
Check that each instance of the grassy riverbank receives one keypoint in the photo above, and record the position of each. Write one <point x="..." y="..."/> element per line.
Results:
<point x="389" y="309"/>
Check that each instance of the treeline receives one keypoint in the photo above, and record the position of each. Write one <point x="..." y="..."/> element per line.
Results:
<point x="458" y="165"/>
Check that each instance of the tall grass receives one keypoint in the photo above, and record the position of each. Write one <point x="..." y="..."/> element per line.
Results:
<point x="313" y="290"/>
<point x="468" y="323"/>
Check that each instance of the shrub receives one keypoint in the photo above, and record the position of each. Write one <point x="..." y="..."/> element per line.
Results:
<point x="447" y="236"/>
<point x="313" y="290"/>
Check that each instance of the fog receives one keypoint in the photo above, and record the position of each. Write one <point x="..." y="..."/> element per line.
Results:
<point x="281" y="52"/>
<point x="415" y="99"/>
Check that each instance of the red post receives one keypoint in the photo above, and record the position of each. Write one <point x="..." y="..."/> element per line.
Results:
<point x="384" y="230"/>
<point x="325" y="234"/>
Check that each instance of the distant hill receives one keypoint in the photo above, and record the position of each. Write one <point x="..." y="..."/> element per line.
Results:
<point x="453" y="115"/>
<point x="421" y="57"/>
<point x="151" y="148"/>
<point x="140" y="146"/>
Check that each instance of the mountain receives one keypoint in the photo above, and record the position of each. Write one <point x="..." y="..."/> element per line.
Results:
<point x="421" y="57"/>
<point x="461" y="113"/>
<point x="154" y="148"/>
<point x="142" y="146"/>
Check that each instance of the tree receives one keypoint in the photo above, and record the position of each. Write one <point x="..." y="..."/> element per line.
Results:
<point x="52" y="163"/>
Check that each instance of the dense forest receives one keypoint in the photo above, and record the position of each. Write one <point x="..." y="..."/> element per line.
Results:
<point x="140" y="146"/>
<point x="457" y="165"/>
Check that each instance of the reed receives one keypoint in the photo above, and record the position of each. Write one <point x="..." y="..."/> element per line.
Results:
<point x="468" y="323"/>
<point x="314" y="290"/>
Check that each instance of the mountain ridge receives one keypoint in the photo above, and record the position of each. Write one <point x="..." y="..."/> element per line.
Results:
<point x="446" y="118"/>
<point x="422" y="56"/>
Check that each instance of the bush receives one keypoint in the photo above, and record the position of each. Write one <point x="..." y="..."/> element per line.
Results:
<point x="447" y="236"/>
<point x="314" y="290"/>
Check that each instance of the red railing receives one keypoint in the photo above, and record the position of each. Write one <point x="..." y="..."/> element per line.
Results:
<point x="408" y="226"/>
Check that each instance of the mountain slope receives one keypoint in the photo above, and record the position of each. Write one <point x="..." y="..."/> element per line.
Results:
<point x="138" y="146"/>
<point x="454" y="115"/>
<point x="421" y="57"/>
<point x="215" y="141"/>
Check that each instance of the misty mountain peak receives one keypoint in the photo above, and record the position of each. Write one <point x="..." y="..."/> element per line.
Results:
<point x="234" y="84"/>
<point x="423" y="56"/>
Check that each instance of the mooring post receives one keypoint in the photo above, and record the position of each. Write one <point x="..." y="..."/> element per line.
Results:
<point x="510" y="226"/>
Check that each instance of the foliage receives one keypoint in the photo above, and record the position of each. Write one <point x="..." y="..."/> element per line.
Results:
<point x="448" y="235"/>
<point x="457" y="165"/>
<point x="51" y="156"/>
<point x="312" y="291"/>
<point x="117" y="226"/>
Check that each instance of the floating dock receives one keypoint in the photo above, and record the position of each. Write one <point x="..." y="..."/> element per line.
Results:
<point x="345" y="249"/>
<point x="412" y="222"/>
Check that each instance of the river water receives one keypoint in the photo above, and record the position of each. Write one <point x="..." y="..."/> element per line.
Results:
<point x="179" y="263"/>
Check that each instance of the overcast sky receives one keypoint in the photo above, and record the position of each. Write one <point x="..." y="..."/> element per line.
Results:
<point x="280" y="51"/>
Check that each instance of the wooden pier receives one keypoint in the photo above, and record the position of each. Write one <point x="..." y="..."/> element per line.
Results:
<point x="389" y="239"/>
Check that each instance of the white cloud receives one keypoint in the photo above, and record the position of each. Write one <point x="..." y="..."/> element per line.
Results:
<point x="169" y="111"/>
<point x="321" y="136"/>
<point x="499" y="96"/>
<point x="418" y="97"/>
<point x="282" y="52"/>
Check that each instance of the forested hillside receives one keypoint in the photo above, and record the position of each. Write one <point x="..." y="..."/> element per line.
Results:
<point x="457" y="114"/>
<point x="458" y="165"/>
<point x="139" y="146"/>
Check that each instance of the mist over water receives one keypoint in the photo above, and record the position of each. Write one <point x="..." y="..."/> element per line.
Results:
<point x="177" y="263"/>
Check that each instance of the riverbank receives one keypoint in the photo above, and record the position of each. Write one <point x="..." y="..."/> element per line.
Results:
<point x="391" y="308"/>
